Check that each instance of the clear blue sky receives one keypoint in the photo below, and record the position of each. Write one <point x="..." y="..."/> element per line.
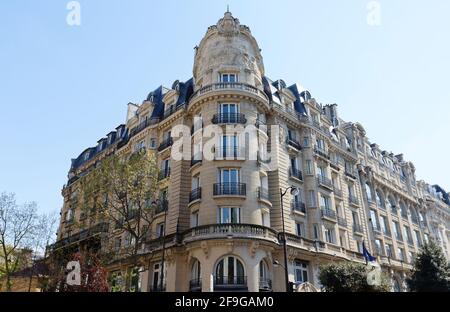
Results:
<point x="62" y="88"/>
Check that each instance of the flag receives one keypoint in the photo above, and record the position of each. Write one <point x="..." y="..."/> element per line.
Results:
<point x="369" y="258"/>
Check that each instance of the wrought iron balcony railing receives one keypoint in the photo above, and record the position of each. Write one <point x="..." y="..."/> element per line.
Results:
<point x="324" y="181"/>
<point x="353" y="199"/>
<point x="229" y="188"/>
<point x="230" y="282"/>
<point x="295" y="173"/>
<point x="195" y="284"/>
<point x="294" y="143"/>
<point x="328" y="213"/>
<point x="165" y="144"/>
<point x="299" y="207"/>
<point x="195" y="194"/>
<point x="229" y="118"/>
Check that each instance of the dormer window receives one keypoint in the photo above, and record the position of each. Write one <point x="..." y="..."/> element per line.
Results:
<point x="227" y="77"/>
<point x="86" y="156"/>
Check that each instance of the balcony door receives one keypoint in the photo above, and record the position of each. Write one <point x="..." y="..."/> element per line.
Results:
<point x="230" y="271"/>
<point x="228" y="112"/>
<point x="228" y="146"/>
<point x="229" y="176"/>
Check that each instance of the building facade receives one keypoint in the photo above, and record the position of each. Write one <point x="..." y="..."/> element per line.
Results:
<point x="224" y="215"/>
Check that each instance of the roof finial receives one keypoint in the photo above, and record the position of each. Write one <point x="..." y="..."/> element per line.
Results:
<point x="228" y="8"/>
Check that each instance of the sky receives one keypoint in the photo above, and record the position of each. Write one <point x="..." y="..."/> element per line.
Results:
<point x="64" y="87"/>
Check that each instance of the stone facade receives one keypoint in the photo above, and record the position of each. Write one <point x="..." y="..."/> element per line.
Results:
<point x="224" y="218"/>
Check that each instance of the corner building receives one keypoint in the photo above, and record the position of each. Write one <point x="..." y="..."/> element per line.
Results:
<point x="223" y="217"/>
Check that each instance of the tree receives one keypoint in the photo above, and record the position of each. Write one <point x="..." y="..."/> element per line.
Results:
<point x="349" y="277"/>
<point x="18" y="225"/>
<point x="431" y="271"/>
<point x="124" y="191"/>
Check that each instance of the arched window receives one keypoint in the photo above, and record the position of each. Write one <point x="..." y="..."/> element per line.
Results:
<point x="380" y="199"/>
<point x="195" y="283"/>
<point x="265" y="282"/>
<point x="392" y="204"/>
<point x="403" y="210"/>
<point x="230" y="271"/>
<point x="368" y="192"/>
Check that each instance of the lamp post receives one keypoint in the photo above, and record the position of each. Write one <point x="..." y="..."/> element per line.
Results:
<point x="294" y="191"/>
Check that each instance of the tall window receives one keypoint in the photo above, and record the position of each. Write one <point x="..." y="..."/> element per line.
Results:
<point x="379" y="247"/>
<point x="396" y="228"/>
<point x="228" y="109"/>
<point x="368" y="192"/>
<point x="229" y="271"/>
<point x="226" y="77"/>
<point x="299" y="228"/>
<point x="196" y="271"/>
<point x="324" y="202"/>
<point x="194" y="219"/>
<point x="309" y="166"/>
<point x="384" y="225"/>
<point x="373" y="219"/>
<point x="300" y="271"/>
<point x="389" y="250"/>
<point x="229" y="176"/>
<point x="379" y="199"/>
<point x="329" y="235"/>
<point x="229" y="215"/>
<point x="228" y="146"/>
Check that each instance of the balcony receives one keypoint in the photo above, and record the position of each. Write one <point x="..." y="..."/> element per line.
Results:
<point x="229" y="188"/>
<point x="293" y="143"/>
<point x="265" y="284"/>
<point x="295" y="173"/>
<point x="263" y="193"/>
<point x="172" y="109"/>
<point x="350" y="174"/>
<point x="195" y="194"/>
<point x="158" y="288"/>
<point x="357" y="228"/>
<point x="298" y="207"/>
<point x="324" y="182"/>
<point x="195" y="161"/>
<point x="234" y="283"/>
<point x="165" y="144"/>
<point x="81" y="236"/>
<point x="321" y="152"/>
<point x="164" y="174"/>
<point x="229" y="118"/>
<point x="224" y="230"/>
<point x="230" y="86"/>
<point x="353" y="200"/>
<point x="342" y="221"/>
<point x="229" y="153"/>
<point x="195" y="285"/>
<point x="335" y="164"/>
<point x="376" y="230"/>
<point x="328" y="214"/>
<point x="162" y="206"/>
<point x="144" y="124"/>
<point x="337" y="192"/>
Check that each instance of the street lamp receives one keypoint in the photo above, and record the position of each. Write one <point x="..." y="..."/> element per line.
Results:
<point x="294" y="191"/>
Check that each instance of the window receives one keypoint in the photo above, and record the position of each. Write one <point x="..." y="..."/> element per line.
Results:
<point x="292" y="135"/>
<point x="229" y="271"/>
<point x="86" y="155"/>
<point x="229" y="176"/>
<point x="368" y="192"/>
<point x="355" y="218"/>
<point x="228" y="146"/>
<point x="316" y="231"/>
<point x="226" y="77"/>
<point x="229" y="215"/>
<point x="396" y="228"/>
<point x="152" y="143"/>
<point x="309" y="166"/>
<point x="70" y="215"/>
<point x="263" y="272"/>
<point x="392" y="206"/>
<point x="312" y="198"/>
<point x="195" y="183"/>
<point x="407" y="234"/>
<point x="373" y="219"/>
<point x="322" y="172"/>
<point x="196" y="271"/>
<point x="329" y="235"/>
<point x="379" y="199"/>
<point x="160" y="229"/>
<point x="305" y="142"/>
<point x="379" y="247"/>
<point x="265" y="218"/>
<point x="299" y="229"/>
<point x="228" y="109"/>
<point x="194" y="219"/>
<point x="389" y="249"/>
<point x="401" y="254"/>
<point x="324" y="202"/>
<point x="418" y="239"/>
<point x="301" y="271"/>
<point x="359" y="246"/>
<point x="320" y="144"/>
<point x="384" y="225"/>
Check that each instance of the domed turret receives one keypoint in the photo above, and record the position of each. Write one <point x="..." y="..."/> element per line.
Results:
<point x="228" y="48"/>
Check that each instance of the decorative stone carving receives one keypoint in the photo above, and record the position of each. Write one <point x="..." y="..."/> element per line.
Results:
<point x="253" y="247"/>
<point x="228" y="25"/>
<point x="205" y="248"/>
